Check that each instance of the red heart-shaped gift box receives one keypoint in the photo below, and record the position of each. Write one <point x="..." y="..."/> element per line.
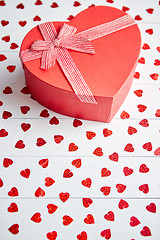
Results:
<point x="108" y="73"/>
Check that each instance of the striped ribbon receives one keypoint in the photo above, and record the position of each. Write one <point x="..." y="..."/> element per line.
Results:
<point x="54" y="47"/>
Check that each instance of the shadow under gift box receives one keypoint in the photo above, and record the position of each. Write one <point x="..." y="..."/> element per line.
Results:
<point x="108" y="73"/>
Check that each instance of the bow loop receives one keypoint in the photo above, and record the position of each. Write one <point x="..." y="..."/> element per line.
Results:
<point x="40" y="45"/>
<point x="66" y="31"/>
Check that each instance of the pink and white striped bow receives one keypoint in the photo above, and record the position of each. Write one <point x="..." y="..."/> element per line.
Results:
<point x="54" y="47"/>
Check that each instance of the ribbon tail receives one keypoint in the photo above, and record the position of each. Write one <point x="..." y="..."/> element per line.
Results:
<point x="29" y="55"/>
<point x="48" y="58"/>
<point x="74" y="77"/>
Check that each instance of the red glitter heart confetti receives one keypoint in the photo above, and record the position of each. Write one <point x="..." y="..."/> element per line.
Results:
<point x="38" y="2"/>
<point x="157" y="114"/>
<point x="1" y="183"/>
<point x="144" y="123"/>
<point x="54" y="5"/>
<point x="120" y="187"/>
<point x="54" y="121"/>
<point x="144" y="188"/>
<point x="70" y="17"/>
<point x="138" y="93"/>
<point x="87" y="182"/>
<point x="7" y="90"/>
<point x="49" y="181"/>
<point x="150" y="10"/>
<point x="7" y="162"/>
<point x="2" y="57"/>
<point x="20" y="6"/>
<point x="129" y="148"/>
<point x="158" y="49"/>
<point x="77" y="123"/>
<point x="124" y="115"/>
<point x="6" y="38"/>
<point x="138" y="18"/>
<point x="44" y="162"/>
<point x="134" y="221"/>
<point x="90" y="135"/>
<point x="141" y="60"/>
<point x="114" y="157"/>
<point x="89" y="219"/>
<point x="25" y="126"/>
<point x="107" y="132"/>
<point x="11" y="68"/>
<point x="143" y="168"/>
<point x="44" y="113"/>
<point x="13" y="192"/>
<point x="157" y="62"/>
<point x="36" y="218"/>
<point x="145" y="231"/>
<point x="125" y="9"/>
<point x="64" y="196"/>
<point x="4" y="23"/>
<point x="157" y="152"/>
<point x="72" y="147"/>
<point x="40" y="142"/>
<point x="148" y="146"/>
<point x="51" y="235"/>
<point x="109" y="216"/>
<point x="105" y="172"/>
<point x="2" y="3"/>
<point x="22" y="23"/>
<point x="141" y="108"/>
<point x="25" y="90"/>
<point x="106" y="233"/>
<point x="25" y="173"/>
<point x="3" y="133"/>
<point x="24" y="109"/>
<point x="151" y="207"/>
<point x="76" y="4"/>
<point x="67" y="220"/>
<point x="123" y="204"/>
<point x="137" y="75"/>
<point x="13" y="208"/>
<point x="13" y="46"/>
<point x="87" y="202"/>
<point x="145" y="46"/>
<point x="58" y="138"/>
<point x="67" y="173"/>
<point x="1" y="103"/>
<point x="127" y="171"/>
<point x="6" y="115"/>
<point x="149" y="31"/>
<point x="20" y="144"/>
<point x="51" y="208"/>
<point x="98" y="152"/>
<point x="154" y="76"/>
<point x="77" y="163"/>
<point x="14" y="229"/>
<point x="39" y="192"/>
<point x="36" y="18"/>
<point x="105" y="190"/>
<point x="82" y="236"/>
<point x="132" y="130"/>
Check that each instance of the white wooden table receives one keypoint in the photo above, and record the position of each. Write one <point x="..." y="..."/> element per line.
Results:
<point x="131" y="210"/>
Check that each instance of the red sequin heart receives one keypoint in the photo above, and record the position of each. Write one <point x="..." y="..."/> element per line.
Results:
<point x="148" y="146"/>
<point x="157" y="152"/>
<point x="22" y="23"/>
<point x="107" y="132"/>
<point x="109" y="216"/>
<point x="1" y="183"/>
<point x="76" y="4"/>
<point x="151" y="207"/>
<point x="54" y="5"/>
<point x="44" y="113"/>
<point x="11" y="68"/>
<point x="137" y="75"/>
<point x="134" y="221"/>
<point x="13" y="46"/>
<point x="127" y="171"/>
<point x="44" y="162"/>
<point x="105" y="172"/>
<point x="14" y="229"/>
<point x="131" y="130"/>
<point x="90" y="135"/>
<point x="13" y="208"/>
<point x="87" y="182"/>
<point x="52" y="235"/>
<point x="67" y="173"/>
<point x="144" y="188"/>
<point x="77" y="123"/>
<point x="6" y="115"/>
<point x="3" y="133"/>
<point x="72" y="147"/>
<point x="39" y="192"/>
<point x="51" y="208"/>
<point x="105" y="190"/>
<point x="2" y="57"/>
<point x="2" y="3"/>
<point x="54" y="121"/>
<point x="6" y="38"/>
<point x="110" y="1"/>
<point x="38" y="2"/>
<point x="70" y="17"/>
<point x="25" y="173"/>
<point x="106" y="233"/>
<point x="150" y="10"/>
<point x="157" y="114"/>
<point x="25" y="126"/>
<point x="138" y="93"/>
<point x="87" y="202"/>
<point x="98" y="152"/>
<point x="141" y="60"/>
<point x="49" y="181"/>
<point x="67" y="220"/>
<point x="77" y="163"/>
<point x="141" y="108"/>
<point x="40" y="142"/>
<point x="20" y="6"/>
<point x="7" y="90"/>
<point x="144" y="123"/>
<point x="157" y="62"/>
<point x="58" y="138"/>
<point x="123" y="204"/>
<point x="36" y="218"/>
<point x="36" y="18"/>
<point x="120" y="188"/>
<point x="138" y="18"/>
<point x="13" y="192"/>
<point x="64" y="196"/>
<point x="143" y="168"/>
<point x="25" y="109"/>
<point x="25" y="90"/>
<point x="149" y="31"/>
<point x="7" y="162"/>
<point x="20" y="144"/>
<point x="154" y="76"/>
<point x="82" y="236"/>
<point x="124" y="115"/>
<point x="145" y="46"/>
<point x="114" y="157"/>
<point x="129" y="148"/>
<point x="89" y="219"/>
<point x="4" y="23"/>
<point x="145" y="231"/>
<point x="125" y="9"/>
